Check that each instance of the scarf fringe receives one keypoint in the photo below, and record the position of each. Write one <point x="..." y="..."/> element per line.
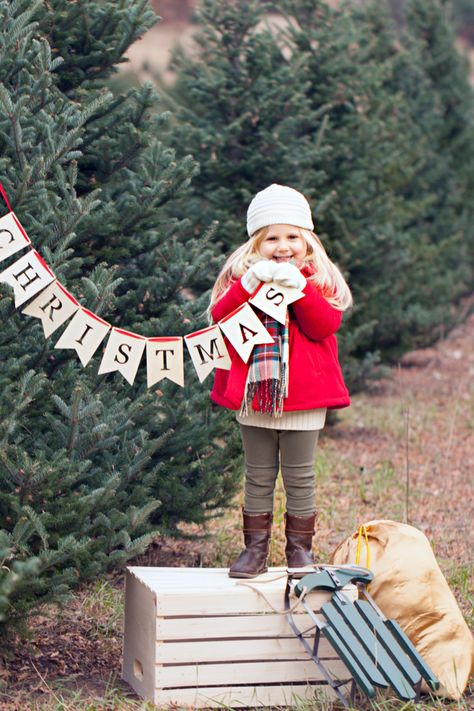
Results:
<point x="269" y="393"/>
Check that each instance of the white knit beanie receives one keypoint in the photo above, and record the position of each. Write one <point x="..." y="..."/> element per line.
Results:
<point x="278" y="205"/>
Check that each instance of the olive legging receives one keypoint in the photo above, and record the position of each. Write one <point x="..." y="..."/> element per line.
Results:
<point x="264" y="451"/>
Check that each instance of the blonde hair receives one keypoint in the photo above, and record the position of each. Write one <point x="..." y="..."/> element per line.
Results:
<point x="326" y="276"/>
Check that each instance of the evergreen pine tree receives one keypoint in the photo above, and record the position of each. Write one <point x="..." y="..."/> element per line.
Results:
<point x="90" y="466"/>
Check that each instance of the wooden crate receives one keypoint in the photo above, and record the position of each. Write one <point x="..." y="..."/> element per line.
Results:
<point x="196" y="637"/>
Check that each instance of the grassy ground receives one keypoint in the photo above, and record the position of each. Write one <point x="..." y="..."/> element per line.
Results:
<point x="402" y="452"/>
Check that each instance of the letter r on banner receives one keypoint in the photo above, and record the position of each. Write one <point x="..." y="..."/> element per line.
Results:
<point x="53" y="306"/>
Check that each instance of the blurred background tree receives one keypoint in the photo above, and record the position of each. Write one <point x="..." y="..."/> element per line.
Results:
<point x="371" y="120"/>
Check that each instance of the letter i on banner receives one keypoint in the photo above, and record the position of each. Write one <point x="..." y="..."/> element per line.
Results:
<point x="53" y="306"/>
<point x="28" y="275"/>
<point x="123" y="353"/>
<point x="164" y="359"/>
<point x="84" y="333"/>
<point x="12" y="236"/>
<point x="244" y="330"/>
<point x="208" y="351"/>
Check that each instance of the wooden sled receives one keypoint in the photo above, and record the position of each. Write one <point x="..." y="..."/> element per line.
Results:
<point x="375" y="650"/>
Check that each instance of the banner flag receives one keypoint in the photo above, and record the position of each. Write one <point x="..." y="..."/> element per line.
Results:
<point x="53" y="306"/>
<point x="12" y="236"/>
<point x="123" y="352"/>
<point x="208" y="351"/>
<point x="84" y="334"/>
<point x="274" y="299"/>
<point x="164" y="359"/>
<point x="28" y="275"/>
<point x="244" y="330"/>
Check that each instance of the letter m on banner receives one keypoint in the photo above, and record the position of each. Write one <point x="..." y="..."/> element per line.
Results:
<point x="208" y="351"/>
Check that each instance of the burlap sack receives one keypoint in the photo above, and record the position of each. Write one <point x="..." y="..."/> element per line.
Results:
<point x="409" y="587"/>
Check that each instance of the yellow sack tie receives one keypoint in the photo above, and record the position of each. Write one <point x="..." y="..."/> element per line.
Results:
<point x="363" y="532"/>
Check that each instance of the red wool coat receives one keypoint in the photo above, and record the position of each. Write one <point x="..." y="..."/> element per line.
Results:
<point x="315" y="378"/>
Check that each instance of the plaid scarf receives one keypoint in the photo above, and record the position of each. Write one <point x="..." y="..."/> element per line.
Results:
<point x="268" y="370"/>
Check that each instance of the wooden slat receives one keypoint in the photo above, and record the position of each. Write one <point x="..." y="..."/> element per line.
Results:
<point x="244" y="673"/>
<point x="234" y="626"/>
<point x="245" y="696"/>
<point x="234" y="601"/>
<point x="236" y="650"/>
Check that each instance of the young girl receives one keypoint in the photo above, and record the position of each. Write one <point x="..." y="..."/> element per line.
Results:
<point x="282" y="393"/>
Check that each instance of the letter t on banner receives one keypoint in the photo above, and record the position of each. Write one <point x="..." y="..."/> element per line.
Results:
<point x="208" y="351"/>
<point x="164" y="359"/>
<point x="244" y="330"/>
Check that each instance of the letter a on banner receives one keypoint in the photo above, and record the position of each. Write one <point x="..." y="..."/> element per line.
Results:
<point x="53" y="306"/>
<point x="244" y="330"/>
<point x="84" y="334"/>
<point x="164" y="359"/>
<point x="29" y="275"/>
<point x="123" y="353"/>
<point x="12" y="236"/>
<point x="208" y="351"/>
<point x="274" y="299"/>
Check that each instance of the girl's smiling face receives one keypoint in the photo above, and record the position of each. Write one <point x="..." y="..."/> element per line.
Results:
<point x="282" y="243"/>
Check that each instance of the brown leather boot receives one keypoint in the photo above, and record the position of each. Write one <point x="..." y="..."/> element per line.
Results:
<point x="299" y="532"/>
<point x="253" y="560"/>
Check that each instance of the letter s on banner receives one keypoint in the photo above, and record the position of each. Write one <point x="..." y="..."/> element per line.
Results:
<point x="274" y="299"/>
<point x="123" y="353"/>
<point x="208" y="351"/>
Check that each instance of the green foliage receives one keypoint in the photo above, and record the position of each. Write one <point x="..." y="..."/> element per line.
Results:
<point x="375" y="127"/>
<point x="92" y="468"/>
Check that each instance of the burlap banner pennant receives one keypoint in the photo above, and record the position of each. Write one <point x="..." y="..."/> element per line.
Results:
<point x="84" y="334"/>
<point x="28" y="275"/>
<point x="54" y="306"/>
<point x="274" y="299"/>
<point x="164" y="359"/>
<point x="244" y="330"/>
<point x="123" y="353"/>
<point x="12" y="236"/>
<point x="208" y="351"/>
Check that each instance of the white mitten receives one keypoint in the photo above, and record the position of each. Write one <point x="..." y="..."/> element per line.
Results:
<point x="258" y="272"/>
<point x="287" y="274"/>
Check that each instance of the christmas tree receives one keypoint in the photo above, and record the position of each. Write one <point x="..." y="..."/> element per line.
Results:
<point x="92" y="467"/>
